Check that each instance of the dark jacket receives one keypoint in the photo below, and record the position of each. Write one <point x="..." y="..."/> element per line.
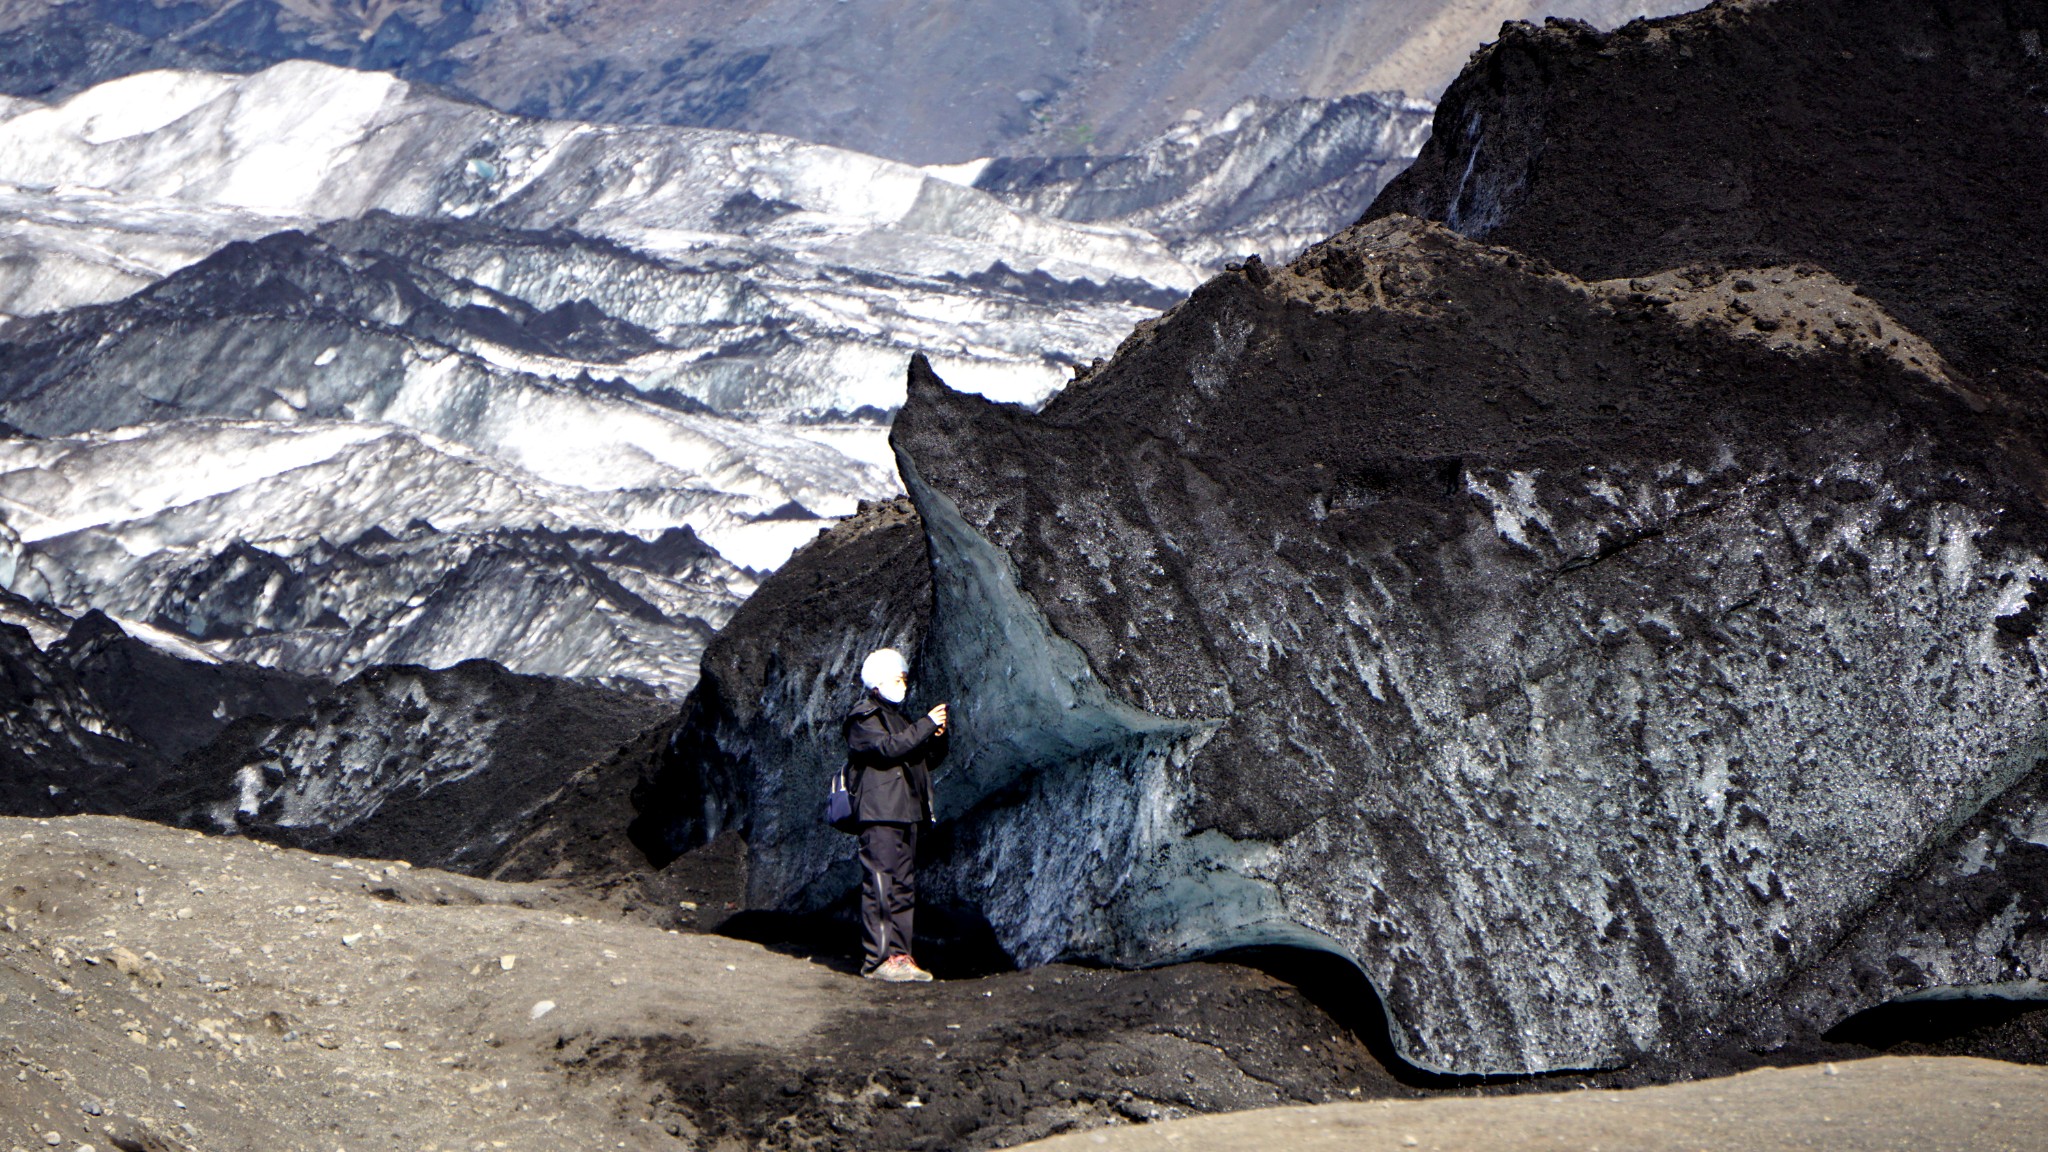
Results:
<point x="891" y="761"/>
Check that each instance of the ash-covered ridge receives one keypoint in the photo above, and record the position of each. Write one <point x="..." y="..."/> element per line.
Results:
<point x="454" y="767"/>
<point x="1537" y="644"/>
<point x="1771" y="135"/>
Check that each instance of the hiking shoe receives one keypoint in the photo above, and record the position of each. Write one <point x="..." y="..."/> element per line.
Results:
<point x="899" y="970"/>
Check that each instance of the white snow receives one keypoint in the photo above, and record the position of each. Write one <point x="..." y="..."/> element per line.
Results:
<point x="138" y="104"/>
<point x="964" y="173"/>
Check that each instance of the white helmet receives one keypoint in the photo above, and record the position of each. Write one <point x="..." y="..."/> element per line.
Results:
<point x="882" y="672"/>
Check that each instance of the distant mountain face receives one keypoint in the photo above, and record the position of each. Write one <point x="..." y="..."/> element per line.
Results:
<point x="923" y="83"/>
<point x="1268" y="177"/>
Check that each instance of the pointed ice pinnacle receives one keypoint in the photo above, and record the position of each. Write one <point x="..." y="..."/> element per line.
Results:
<point x="1034" y="720"/>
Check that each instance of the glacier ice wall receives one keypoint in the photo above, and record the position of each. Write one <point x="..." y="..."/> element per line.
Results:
<point x="1575" y="741"/>
<point x="1549" y="641"/>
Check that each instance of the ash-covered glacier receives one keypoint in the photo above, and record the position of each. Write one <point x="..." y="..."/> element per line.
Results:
<point x="446" y="767"/>
<point x="882" y="256"/>
<point x="1536" y="644"/>
<point x="551" y="337"/>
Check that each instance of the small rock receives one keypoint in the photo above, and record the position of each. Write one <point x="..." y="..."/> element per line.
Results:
<point x="1409" y="1141"/>
<point x="541" y="1008"/>
<point x="129" y="964"/>
<point x="393" y="1046"/>
<point x="183" y="913"/>
<point x="349" y="941"/>
<point x="506" y="962"/>
<point x="52" y="1139"/>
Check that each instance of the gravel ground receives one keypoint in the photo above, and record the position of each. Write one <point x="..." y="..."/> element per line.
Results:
<point x="161" y="989"/>
<point x="1889" y="1104"/>
<point x="164" y="990"/>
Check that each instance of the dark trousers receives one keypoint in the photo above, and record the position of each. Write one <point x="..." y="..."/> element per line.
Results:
<point x="888" y="889"/>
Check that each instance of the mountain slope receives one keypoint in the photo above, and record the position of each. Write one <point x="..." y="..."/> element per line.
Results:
<point x="1267" y="177"/>
<point x="1759" y="147"/>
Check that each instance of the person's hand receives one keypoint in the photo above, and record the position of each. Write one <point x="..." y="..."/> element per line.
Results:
<point x="938" y="715"/>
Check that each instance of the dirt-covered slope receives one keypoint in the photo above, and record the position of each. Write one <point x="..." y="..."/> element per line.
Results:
<point x="170" y="991"/>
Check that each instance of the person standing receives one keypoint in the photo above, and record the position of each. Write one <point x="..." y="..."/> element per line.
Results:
<point x="890" y="760"/>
